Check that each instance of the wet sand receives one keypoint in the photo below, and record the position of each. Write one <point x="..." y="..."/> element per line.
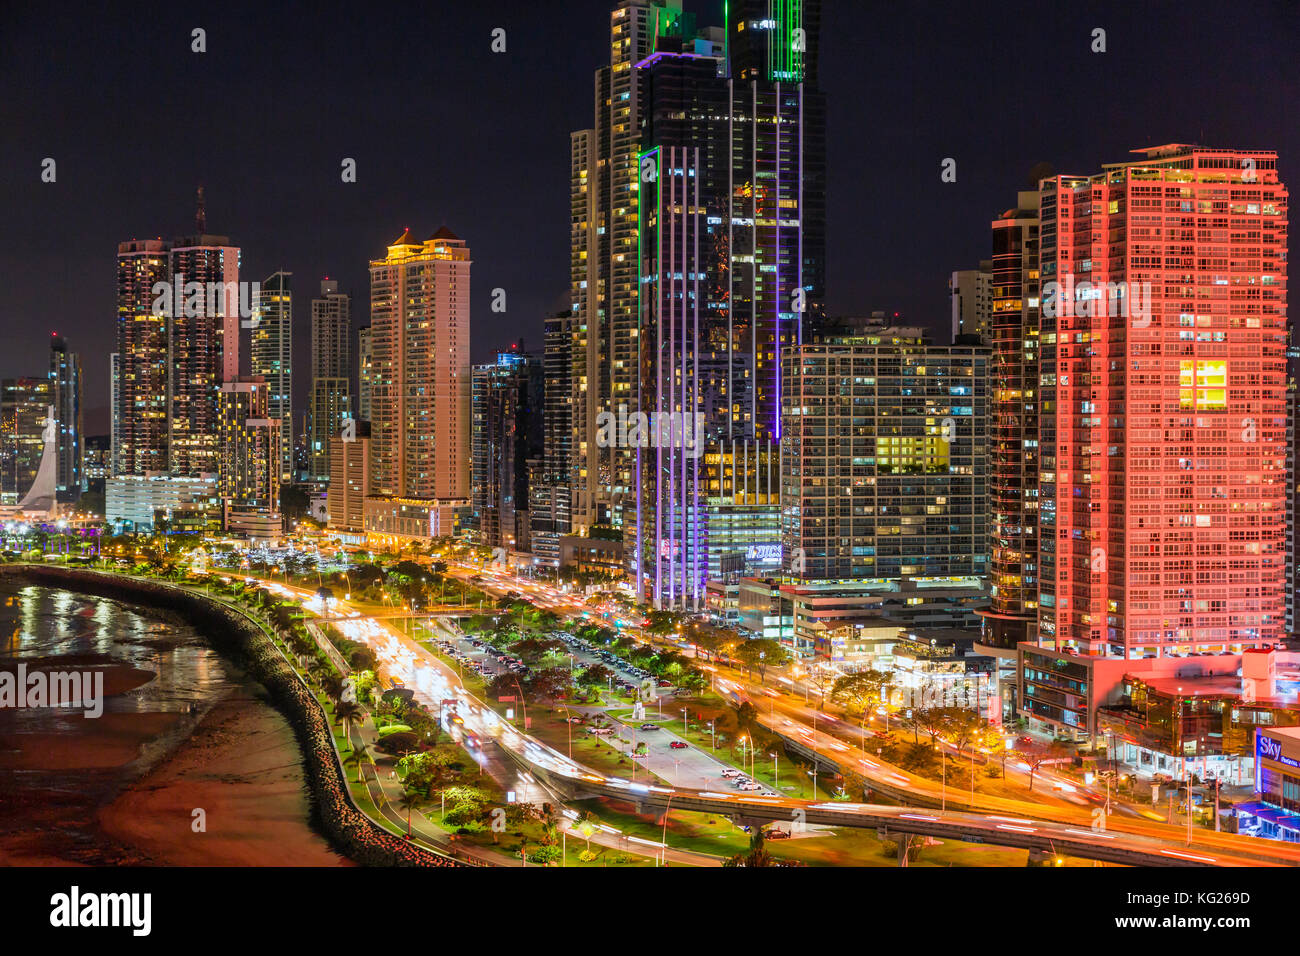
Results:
<point x="242" y="767"/>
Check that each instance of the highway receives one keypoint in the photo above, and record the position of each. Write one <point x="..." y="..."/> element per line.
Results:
<point x="435" y="684"/>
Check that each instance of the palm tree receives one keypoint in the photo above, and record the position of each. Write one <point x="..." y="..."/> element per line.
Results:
<point x="408" y="801"/>
<point x="347" y="711"/>
<point x="358" y="754"/>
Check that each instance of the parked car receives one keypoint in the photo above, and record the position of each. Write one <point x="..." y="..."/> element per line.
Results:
<point x="750" y="786"/>
<point x="731" y="772"/>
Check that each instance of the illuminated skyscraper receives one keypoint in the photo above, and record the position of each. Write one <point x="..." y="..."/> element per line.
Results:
<point x="248" y="480"/>
<point x="365" y="372"/>
<point x="420" y="435"/>
<point x="330" y="401"/>
<point x="141" y="373"/>
<point x="884" y="458"/>
<point x="506" y="434"/>
<point x="271" y="354"/>
<point x="202" y="344"/>
<point x="65" y="380"/>
<point x="731" y="257"/>
<point x="1014" y="426"/>
<point x="1163" y="472"/>
<point x="25" y="405"/>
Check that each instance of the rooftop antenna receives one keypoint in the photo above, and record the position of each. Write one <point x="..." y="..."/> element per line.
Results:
<point x="200" y="213"/>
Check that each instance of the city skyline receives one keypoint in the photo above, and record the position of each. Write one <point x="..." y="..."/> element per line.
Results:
<point x="920" y="112"/>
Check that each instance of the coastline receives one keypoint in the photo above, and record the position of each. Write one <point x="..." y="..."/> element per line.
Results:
<point x="243" y="768"/>
<point x="233" y="634"/>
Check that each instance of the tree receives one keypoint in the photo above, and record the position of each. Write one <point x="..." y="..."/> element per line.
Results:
<point x="761" y="653"/>
<point x="859" y="690"/>
<point x="597" y="675"/>
<point x="347" y="711"/>
<point x="757" y="855"/>
<point x="408" y="801"/>
<point x="358" y="754"/>
<point x="690" y="684"/>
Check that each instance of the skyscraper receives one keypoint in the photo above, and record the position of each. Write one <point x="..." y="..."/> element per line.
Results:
<point x="603" y="255"/>
<point x="506" y="433"/>
<point x="271" y="355"/>
<point x="970" y="292"/>
<point x="1164" y="335"/>
<point x="884" y="460"/>
<point x="248" y="481"/>
<point x="142" y="372"/>
<point x="202" y="344"/>
<point x="365" y="372"/>
<point x="65" y="380"/>
<point x="420" y="435"/>
<point x="25" y="407"/>
<point x="330" y="401"/>
<point x="730" y="209"/>
<point x="1014" y="291"/>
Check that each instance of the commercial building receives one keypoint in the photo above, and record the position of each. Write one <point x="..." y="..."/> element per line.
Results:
<point x="1014" y="418"/>
<point x="134" y="502"/>
<point x="179" y="307"/>
<point x="330" y="400"/>
<point x="420" y="430"/>
<point x="271" y="356"/>
<point x="1276" y="814"/>
<point x="971" y="293"/>
<point x="884" y="466"/>
<point x="349" y="479"/>
<point x="507" y="405"/>
<point x="250" y="457"/>
<point x="65" y="380"/>
<point x="26" y="406"/>
<point x="838" y="620"/>
<point x="701" y="184"/>
<point x="1162" y="432"/>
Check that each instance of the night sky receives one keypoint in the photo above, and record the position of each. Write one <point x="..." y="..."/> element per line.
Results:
<point x="446" y="132"/>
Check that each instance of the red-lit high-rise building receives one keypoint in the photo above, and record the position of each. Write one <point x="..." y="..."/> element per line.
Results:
<point x="1163" y="462"/>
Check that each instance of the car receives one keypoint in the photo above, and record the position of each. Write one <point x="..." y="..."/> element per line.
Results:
<point x="679" y="745"/>
<point x="649" y="726"/>
<point x="749" y="786"/>
<point x="778" y="834"/>
<point x="731" y="772"/>
<point x="665" y="683"/>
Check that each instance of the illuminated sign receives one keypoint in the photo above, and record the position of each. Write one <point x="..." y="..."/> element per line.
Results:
<point x="1269" y="749"/>
<point x="764" y="553"/>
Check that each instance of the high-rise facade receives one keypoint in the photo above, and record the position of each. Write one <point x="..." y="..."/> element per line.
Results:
<point x="179" y="310"/>
<point x="142" y="370"/>
<point x="365" y="372"/>
<point x="730" y="216"/>
<point x="271" y="357"/>
<point x="507" y="403"/>
<point x="884" y="458"/>
<point x="1163" y="462"/>
<point x="971" y="293"/>
<point x="330" y="401"/>
<point x="420" y="414"/>
<point x="1013" y="330"/>
<point x="202" y="346"/>
<point x="248" y="476"/>
<point x="65" y="382"/>
<point x="25" y="407"/>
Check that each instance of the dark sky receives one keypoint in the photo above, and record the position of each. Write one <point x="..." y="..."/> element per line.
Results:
<point x="445" y="131"/>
